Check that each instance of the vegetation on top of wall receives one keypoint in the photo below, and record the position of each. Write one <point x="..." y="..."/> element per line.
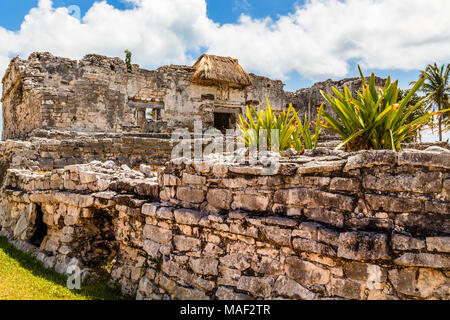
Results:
<point x="128" y="60"/>
<point x="375" y="119"/>
<point x="278" y="132"/>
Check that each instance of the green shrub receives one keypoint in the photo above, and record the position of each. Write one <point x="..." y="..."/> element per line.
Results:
<point x="280" y="132"/>
<point x="128" y="55"/>
<point x="375" y="119"/>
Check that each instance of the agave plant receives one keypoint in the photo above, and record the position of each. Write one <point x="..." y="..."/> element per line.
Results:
<point x="375" y="119"/>
<point x="280" y="132"/>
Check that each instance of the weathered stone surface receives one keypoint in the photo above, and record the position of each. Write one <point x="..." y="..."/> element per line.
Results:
<point x="189" y="194"/>
<point x="308" y="181"/>
<point x="420" y="182"/>
<point x="347" y="289"/>
<point x="291" y="289"/>
<point x="258" y="287"/>
<point x="313" y="198"/>
<point x="224" y="293"/>
<point x="314" y="231"/>
<point x="370" y="159"/>
<point x="160" y="235"/>
<point x="306" y="245"/>
<point x="331" y="217"/>
<point x="306" y="272"/>
<point x="422" y="224"/>
<point x="239" y="261"/>
<point x="423" y="260"/>
<point x="427" y="159"/>
<point x="392" y="204"/>
<point x="371" y="274"/>
<point x="220" y="198"/>
<point x="186" y="216"/>
<point x="437" y="207"/>
<point x="205" y="266"/>
<point x="321" y="167"/>
<point x="184" y="243"/>
<point x="251" y="202"/>
<point x="439" y="244"/>
<point x="149" y="209"/>
<point x="278" y="235"/>
<point x="416" y="282"/>
<point x="401" y="242"/>
<point x="363" y="245"/>
<point x="344" y="184"/>
<point x="193" y="179"/>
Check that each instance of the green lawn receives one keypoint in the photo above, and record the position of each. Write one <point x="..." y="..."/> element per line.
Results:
<point x="22" y="277"/>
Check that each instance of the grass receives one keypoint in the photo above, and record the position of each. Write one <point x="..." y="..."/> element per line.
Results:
<point x="23" y="277"/>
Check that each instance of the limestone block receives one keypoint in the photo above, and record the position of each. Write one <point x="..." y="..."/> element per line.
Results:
<point x="278" y="235"/>
<point x="321" y="167"/>
<point x="306" y="272"/>
<point x="344" y="184"/>
<point x="363" y="245"/>
<point x="224" y="293"/>
<point x="160" y="235"/>
<point x="427" y="159"/>
<point x="439" y="244"/>
<point x="393" y="204"/>
<point x="239" y="261"/>
<point x="219" y="198"/>
<point x="331" y="217"/>
<point x="313" y="198"/>
<point x="183" y="243"/>
<point x="187" y="216"/>
<point x="193" y="179"/>
<point x="401" y="242"/>
<point x="250" y="202"/>
<point x="370" y="158"/>
<point x="424" y="260"/>
<point x="204" y="266"/>
<point x="347" y="289"/>
<point x="420" y="182"/>
<point x="291" y="289"/>
<point x="306" y="245"/>
<point x="258" y="287"/>
<point x="416" y="282"/>
<point x="191" y="195"/>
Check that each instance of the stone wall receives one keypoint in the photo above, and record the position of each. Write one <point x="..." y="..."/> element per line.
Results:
<point x="326" y="225"/>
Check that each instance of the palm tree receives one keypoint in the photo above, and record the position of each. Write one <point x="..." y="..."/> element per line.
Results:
<point x="437" y="90"/>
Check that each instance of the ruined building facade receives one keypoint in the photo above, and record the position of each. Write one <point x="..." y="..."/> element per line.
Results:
<point x="98" y="94"/>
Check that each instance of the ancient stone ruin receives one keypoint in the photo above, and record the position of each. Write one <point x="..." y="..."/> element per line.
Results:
<point x="92" y="182"/>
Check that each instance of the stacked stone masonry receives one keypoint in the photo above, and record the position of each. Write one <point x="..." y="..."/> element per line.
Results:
<point x="326" y="225"/>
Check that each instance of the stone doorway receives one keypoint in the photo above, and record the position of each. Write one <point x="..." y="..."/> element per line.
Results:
<point x="224" y="121"/>
<point x="40" y="228"/>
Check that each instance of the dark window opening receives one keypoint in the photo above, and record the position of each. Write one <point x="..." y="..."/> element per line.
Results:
<point x="207" y="97"/>
<point x="101" y="246"/>
<point x="40" y="228"/>
<point x="223" y="121"/>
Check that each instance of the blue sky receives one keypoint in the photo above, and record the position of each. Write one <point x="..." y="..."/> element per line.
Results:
<point x="297" y="41"/>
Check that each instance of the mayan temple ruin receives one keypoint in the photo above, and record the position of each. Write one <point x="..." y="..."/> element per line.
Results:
<point x="88" y="178"/>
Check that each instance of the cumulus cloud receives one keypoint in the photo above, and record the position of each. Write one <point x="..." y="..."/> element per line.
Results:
<point x="317" y="40"/>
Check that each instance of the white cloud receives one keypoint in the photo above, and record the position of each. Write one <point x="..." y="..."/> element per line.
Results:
<point x="317" y="40"/>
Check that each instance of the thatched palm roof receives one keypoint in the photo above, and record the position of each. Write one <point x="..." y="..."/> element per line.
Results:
<point x="214" y="70"/>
